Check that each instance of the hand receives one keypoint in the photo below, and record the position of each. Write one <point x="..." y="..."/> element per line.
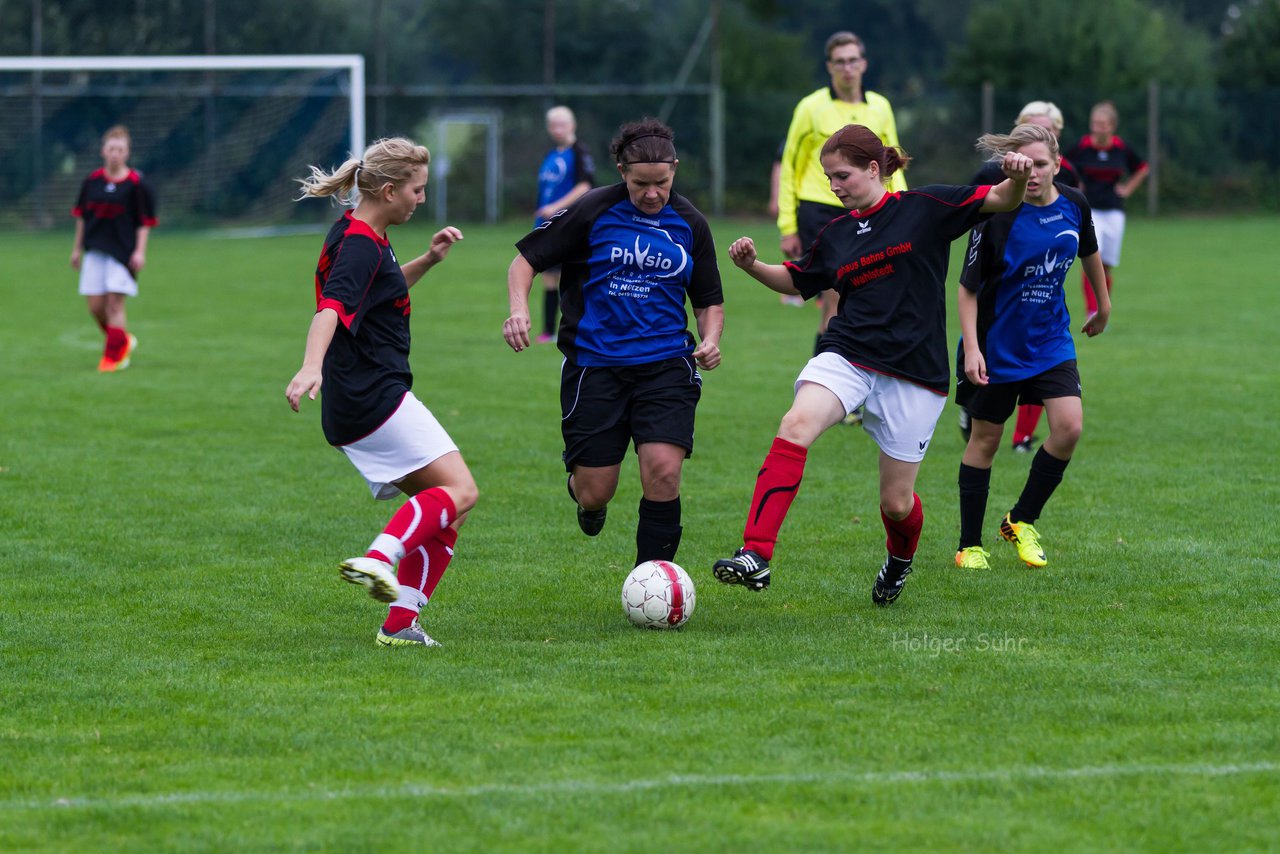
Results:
<point x="975" y="367"/>
<point x="1096" y="323"/>
<point x="441" y="242"/>
<point x="707" y="355"/>
<point x="516" y="331"/>
<point x="791" y="246"/>
<point x="75" y="259"/>
<point x="1016" y="166"/>
<point x="136" y="261"/>
<point x="545" y="212"/>
<point x="1123" y="190"/>
<point x="743" y="252"/>
<point x="306" y="381"/>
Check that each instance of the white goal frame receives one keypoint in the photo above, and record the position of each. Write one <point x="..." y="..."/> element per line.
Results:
<point x="352" y="62"/>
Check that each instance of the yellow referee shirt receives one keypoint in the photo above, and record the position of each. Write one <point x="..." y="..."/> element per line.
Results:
<point x="816" y="118"/>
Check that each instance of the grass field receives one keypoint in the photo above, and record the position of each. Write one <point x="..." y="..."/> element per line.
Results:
<point x="183" y="669"/>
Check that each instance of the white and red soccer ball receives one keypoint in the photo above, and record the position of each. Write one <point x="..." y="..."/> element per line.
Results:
<point x="658" y="595"/>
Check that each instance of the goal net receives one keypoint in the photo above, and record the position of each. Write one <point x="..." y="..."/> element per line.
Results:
<point x="219" y="138"/>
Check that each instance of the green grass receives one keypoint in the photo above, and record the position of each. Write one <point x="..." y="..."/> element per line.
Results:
<point x="183" y="670"/>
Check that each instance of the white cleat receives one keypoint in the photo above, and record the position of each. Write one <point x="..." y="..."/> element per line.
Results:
<point x="378" y="577"/>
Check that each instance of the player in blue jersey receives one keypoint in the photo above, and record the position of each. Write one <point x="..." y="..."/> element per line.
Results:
<point x="886" y="348"/>
<point x="115" y="212"/>
<point x="358" y="351"/>
<point x="1017" y="344"/>
<point x="566" y="173"/>
<point x="1047" y="115"/>
<point x="631" y="254"/>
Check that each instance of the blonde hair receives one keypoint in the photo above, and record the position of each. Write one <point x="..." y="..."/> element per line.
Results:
<point x="387" y="160"/>
<point x="1000" y="144"/>
<point x="1108" y="109"/>
<point x="117" y="131"/>
<point x="561" y="111"/>
<point x="1041" y="108"/>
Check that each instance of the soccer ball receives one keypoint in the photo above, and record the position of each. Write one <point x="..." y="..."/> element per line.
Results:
<point x="658" y="595"/>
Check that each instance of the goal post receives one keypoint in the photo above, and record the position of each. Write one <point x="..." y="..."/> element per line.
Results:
<point x="219" y="136"/>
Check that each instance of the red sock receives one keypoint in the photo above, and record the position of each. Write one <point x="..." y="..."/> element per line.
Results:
<point x="419" y="571"/>
<point x="1028" y="418"/>
<point x="439" y="553"/>
<point x="776" y="487"/>
<point x="904" y="534"/>
<point x="418" y="520"/>
<point x="117" y="340"/>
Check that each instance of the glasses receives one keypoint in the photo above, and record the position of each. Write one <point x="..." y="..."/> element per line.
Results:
<point x="847" y="63"/>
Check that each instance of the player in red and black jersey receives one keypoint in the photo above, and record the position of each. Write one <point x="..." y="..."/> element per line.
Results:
<point x="358" y="351"/>
<point x="886" y="348"/>
<point x="1111" y="171"/>
<point x="114" y="213"/>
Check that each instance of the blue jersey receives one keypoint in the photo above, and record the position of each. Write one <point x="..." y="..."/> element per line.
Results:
<point x="561" y="171"/>
<point x="1016" y="264"/>
<point x="625" y="276"/>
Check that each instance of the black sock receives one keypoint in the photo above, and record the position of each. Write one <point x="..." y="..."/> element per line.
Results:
<point x="975" y="485"/>
<point x="1042" y="480"/>
<point x="658" y="531"/>
<point x="550" y="304"/>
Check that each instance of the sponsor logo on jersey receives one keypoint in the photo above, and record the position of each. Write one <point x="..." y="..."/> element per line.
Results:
<point x="646" y="259"/>
<point x="1053" y="259"/>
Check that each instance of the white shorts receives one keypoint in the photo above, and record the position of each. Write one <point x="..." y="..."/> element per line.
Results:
<point x="899" y="415"/>
<point x="410" y="439"/>
<point x="1109" y="226"/>
<point x="101" y="274"/>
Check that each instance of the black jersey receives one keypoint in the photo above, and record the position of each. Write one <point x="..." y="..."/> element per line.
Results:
<point x="625" y="275"/>
<point x="366" y="370"/>
<point x="1102" y="168"/>
<point x="113" y="211"/>
<point x="889" y="266"/>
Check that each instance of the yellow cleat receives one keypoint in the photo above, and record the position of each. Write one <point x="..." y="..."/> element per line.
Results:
<point x="973" y="557"/>
<point x="1027" y="540"/>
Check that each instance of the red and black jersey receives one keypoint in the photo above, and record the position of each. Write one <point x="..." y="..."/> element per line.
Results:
<point x="366" y="370"/>
<point x="1102" y="168"/>
<point x="889" y="266"/>
<point x="113" y="211"/>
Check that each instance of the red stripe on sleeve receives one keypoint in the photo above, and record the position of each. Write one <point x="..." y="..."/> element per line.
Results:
<point x="339" y="309"/>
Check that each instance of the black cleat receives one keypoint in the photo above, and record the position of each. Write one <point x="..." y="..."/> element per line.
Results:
<point x="890" y="580"/>
<point x="746" y="568"/>
<point x="590" y="521"/>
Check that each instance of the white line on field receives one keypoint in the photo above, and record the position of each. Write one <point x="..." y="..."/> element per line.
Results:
<point x="423" y="790"/>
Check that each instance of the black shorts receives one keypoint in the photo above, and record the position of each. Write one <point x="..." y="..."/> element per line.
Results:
<point x="996" y="402"/>
<point x="811" y="218"/>
<point x="603" y="409"/>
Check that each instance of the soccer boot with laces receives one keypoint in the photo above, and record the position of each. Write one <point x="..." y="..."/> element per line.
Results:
<point x="890" y="580"/>
<point x="746" y="568"/>
<point x="590" y="521"/>
<point x="1026" y="539"/>
<point x="376" y="576"/>
<point x="410" y="635"/>
<point x="973" y="557"/>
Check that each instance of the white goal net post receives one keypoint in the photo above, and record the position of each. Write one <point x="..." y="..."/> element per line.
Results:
<point x="220" y="137"/>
